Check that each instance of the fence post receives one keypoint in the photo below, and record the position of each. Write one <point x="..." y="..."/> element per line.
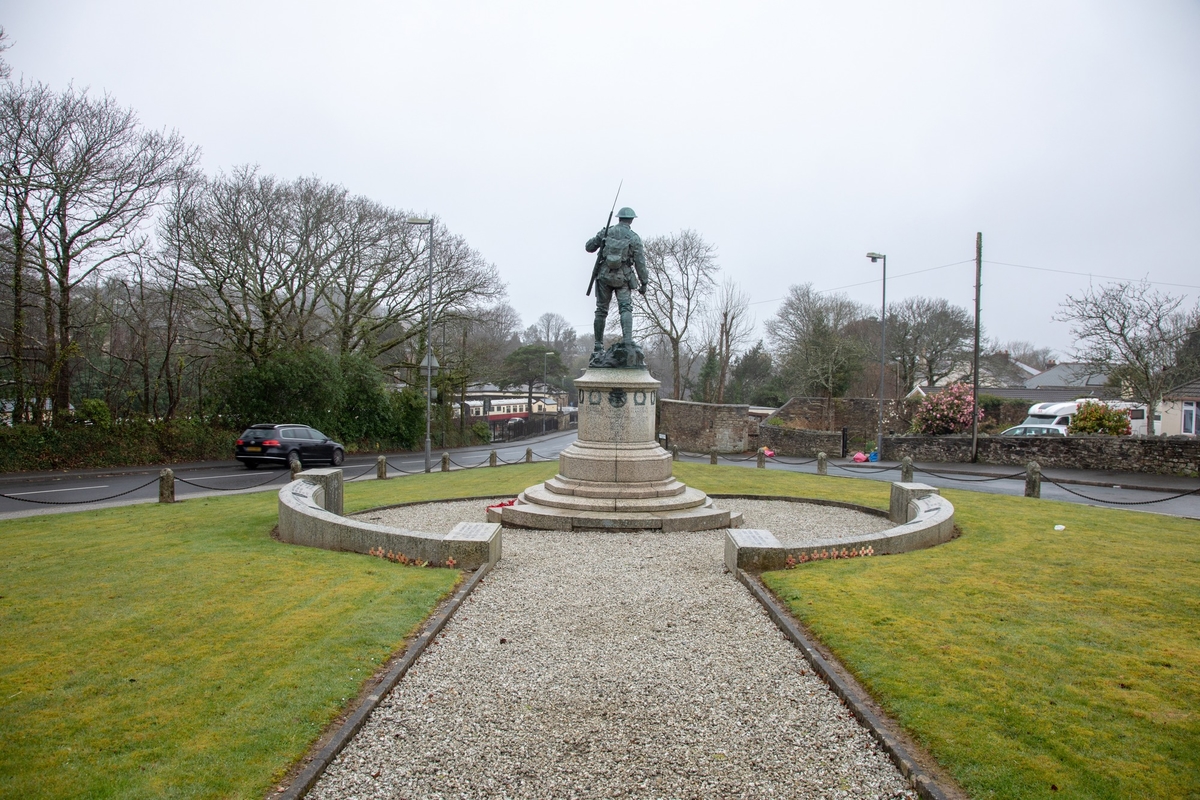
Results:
<point x="762" y="460"/>
<point x="492" y="459"/>
<point x="906" y="471"/>
<point x="822" y="464"/>
<point x="1033" y="480"/>
<point x="674" y="452"/>
<point x="166" y="486"/>
<point x="381" y="468"/>
<point x="712" y="456"/>
<point x="445" y="462"/>
<point x="296" y="469"/>
<point x="845" y="441"/>
<point x="528" y="455"/>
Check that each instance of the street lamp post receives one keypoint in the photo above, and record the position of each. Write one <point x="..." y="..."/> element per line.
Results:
<point x="882" y="347"/>
<point x="544" y="357"/>
<point x="429" y="365"/>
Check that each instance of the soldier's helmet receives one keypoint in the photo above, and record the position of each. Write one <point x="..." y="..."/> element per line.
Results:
<point x="626" y="213"/>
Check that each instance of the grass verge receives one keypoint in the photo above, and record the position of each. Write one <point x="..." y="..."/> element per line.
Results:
<point x="179" y="651"/>
<point x="1030" y="662"/>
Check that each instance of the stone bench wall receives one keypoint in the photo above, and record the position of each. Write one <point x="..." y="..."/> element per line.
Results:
<point x="925" y="519"/>
<point x="305" y="519"/>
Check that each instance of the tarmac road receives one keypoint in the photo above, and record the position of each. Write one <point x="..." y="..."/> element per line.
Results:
<point x="34" y="493"/>
<point x="27" y="494"/>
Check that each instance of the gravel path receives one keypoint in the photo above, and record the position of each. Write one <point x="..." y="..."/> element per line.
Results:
<point x="792" y="523"/>
<point x="610" y="665"/>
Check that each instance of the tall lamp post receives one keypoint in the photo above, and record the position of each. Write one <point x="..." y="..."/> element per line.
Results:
<point x="544" y="357"/>
<point x="875" y="257"/>
<point x="429" y="365"/>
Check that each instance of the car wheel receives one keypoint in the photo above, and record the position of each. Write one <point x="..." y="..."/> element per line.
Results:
<point x="293" y="458"/>
<point x="251" y="464"/>
<point x="338" y="457"/>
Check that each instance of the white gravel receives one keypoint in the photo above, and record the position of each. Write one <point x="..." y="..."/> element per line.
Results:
<point x="609" y="665"/>
<point x="792" y="523"/>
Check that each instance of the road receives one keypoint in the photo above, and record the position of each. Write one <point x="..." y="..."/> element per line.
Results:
<point x="29" y="494"/>
<point x="46" y="493"/>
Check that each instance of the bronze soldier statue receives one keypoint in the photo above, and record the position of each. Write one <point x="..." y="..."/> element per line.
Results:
<point x="620" y="268"/>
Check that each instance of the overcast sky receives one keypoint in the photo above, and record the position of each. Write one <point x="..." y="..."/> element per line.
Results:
<point x="793" y="136"/>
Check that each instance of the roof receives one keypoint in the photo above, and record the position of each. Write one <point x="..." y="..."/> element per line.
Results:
<point x="1185" y="391"/>
<point x="1045" y="394"/>
<point x="1067" y="374"/>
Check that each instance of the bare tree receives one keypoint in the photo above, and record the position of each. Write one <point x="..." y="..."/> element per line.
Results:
<point x="5" y="68"/>
<point x="815" y="339"/>
<point x="104" y="178"/>
<point x="928" y="337"/>
<point x="28" y="127"/>
<point x="681" y="267"/>
<point x="1133" y="333"/>
<point x="729" y="326"/>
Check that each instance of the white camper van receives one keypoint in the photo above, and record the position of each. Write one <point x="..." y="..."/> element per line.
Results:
<point x="1059" y="415"/>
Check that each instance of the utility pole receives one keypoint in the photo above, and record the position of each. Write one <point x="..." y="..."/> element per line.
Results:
<point x="975" y="367"/>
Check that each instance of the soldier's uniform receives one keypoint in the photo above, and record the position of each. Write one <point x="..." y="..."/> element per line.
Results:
<point x="622" y="268"/>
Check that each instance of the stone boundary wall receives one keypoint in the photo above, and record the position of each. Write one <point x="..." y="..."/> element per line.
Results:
<point x="800" y="443"/>
<point x="704" y="427"/>
<point x="858" y="414"/>
<point x="1154" y="455"/>
<point x="304" y="520"/>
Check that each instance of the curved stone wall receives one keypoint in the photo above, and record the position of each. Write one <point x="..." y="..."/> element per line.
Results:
<point x="927" y="520"/>
<point x="304" y="520"/>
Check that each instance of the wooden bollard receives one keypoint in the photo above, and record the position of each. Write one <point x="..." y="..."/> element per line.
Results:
<point x="822" y="464"/>
<point x="381" y="468"/>
<point x="166" y="486"/>
<point x="445" y="462"/>
<point x="528" y="455"/>
<point x="492" y="459"/>
<point x="762" y="460"/>
<point x="906" y="470"/>
<point x="1033" y="480"/>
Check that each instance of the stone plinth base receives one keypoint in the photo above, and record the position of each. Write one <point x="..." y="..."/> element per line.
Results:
<point x="615" y="477"/>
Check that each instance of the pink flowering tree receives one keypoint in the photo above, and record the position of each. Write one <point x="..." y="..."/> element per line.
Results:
<point x="948" y="411"/>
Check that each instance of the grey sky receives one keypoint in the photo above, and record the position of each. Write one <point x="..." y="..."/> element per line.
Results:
<point x="795" y="137"/>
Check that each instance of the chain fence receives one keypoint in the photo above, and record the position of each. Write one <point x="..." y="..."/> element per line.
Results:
<point x="1121" y="502"/>
<point x="78" y="502"/>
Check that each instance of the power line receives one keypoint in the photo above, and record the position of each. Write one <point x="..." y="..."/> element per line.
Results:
<point x="1092" y="275"/>
<point x="868" y="283"/>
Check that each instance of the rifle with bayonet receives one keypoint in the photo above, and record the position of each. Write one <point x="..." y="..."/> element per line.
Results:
<point x="603" y="239"/>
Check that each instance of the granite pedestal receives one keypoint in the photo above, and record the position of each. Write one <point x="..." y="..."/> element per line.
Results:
<point x="615" y="476"/>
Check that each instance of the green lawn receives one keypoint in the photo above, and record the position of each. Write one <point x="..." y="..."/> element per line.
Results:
<point x="1024" y="658"/>
<point x="178" y="651"/>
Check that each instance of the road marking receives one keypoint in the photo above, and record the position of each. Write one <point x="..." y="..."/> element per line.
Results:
<point x="219" y="477"/>
<point x="48" y="491"/>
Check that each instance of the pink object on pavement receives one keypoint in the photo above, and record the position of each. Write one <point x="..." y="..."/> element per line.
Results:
<point x="859" y="457"/>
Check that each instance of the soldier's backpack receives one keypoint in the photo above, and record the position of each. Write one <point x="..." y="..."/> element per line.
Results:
<point x="616" y="255"/>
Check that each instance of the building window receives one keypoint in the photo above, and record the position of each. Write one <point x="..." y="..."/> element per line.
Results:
<point x="1189" y="417"/>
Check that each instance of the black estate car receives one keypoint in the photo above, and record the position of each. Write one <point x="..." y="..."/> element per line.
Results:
<point x="283" y="444"/>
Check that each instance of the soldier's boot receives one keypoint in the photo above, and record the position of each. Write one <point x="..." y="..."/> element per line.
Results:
<point x="598" y="328"/>
<point x="627" y="328"/>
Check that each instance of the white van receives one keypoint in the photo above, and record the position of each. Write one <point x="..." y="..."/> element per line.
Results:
<point x="1059" y="415"/>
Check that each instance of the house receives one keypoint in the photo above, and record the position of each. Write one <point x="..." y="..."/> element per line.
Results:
<point x="1179" y="409"/>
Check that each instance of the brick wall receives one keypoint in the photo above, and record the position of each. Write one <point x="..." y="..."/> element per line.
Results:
<point x="1155" y="455"/>
<point x="702" y="427"/>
